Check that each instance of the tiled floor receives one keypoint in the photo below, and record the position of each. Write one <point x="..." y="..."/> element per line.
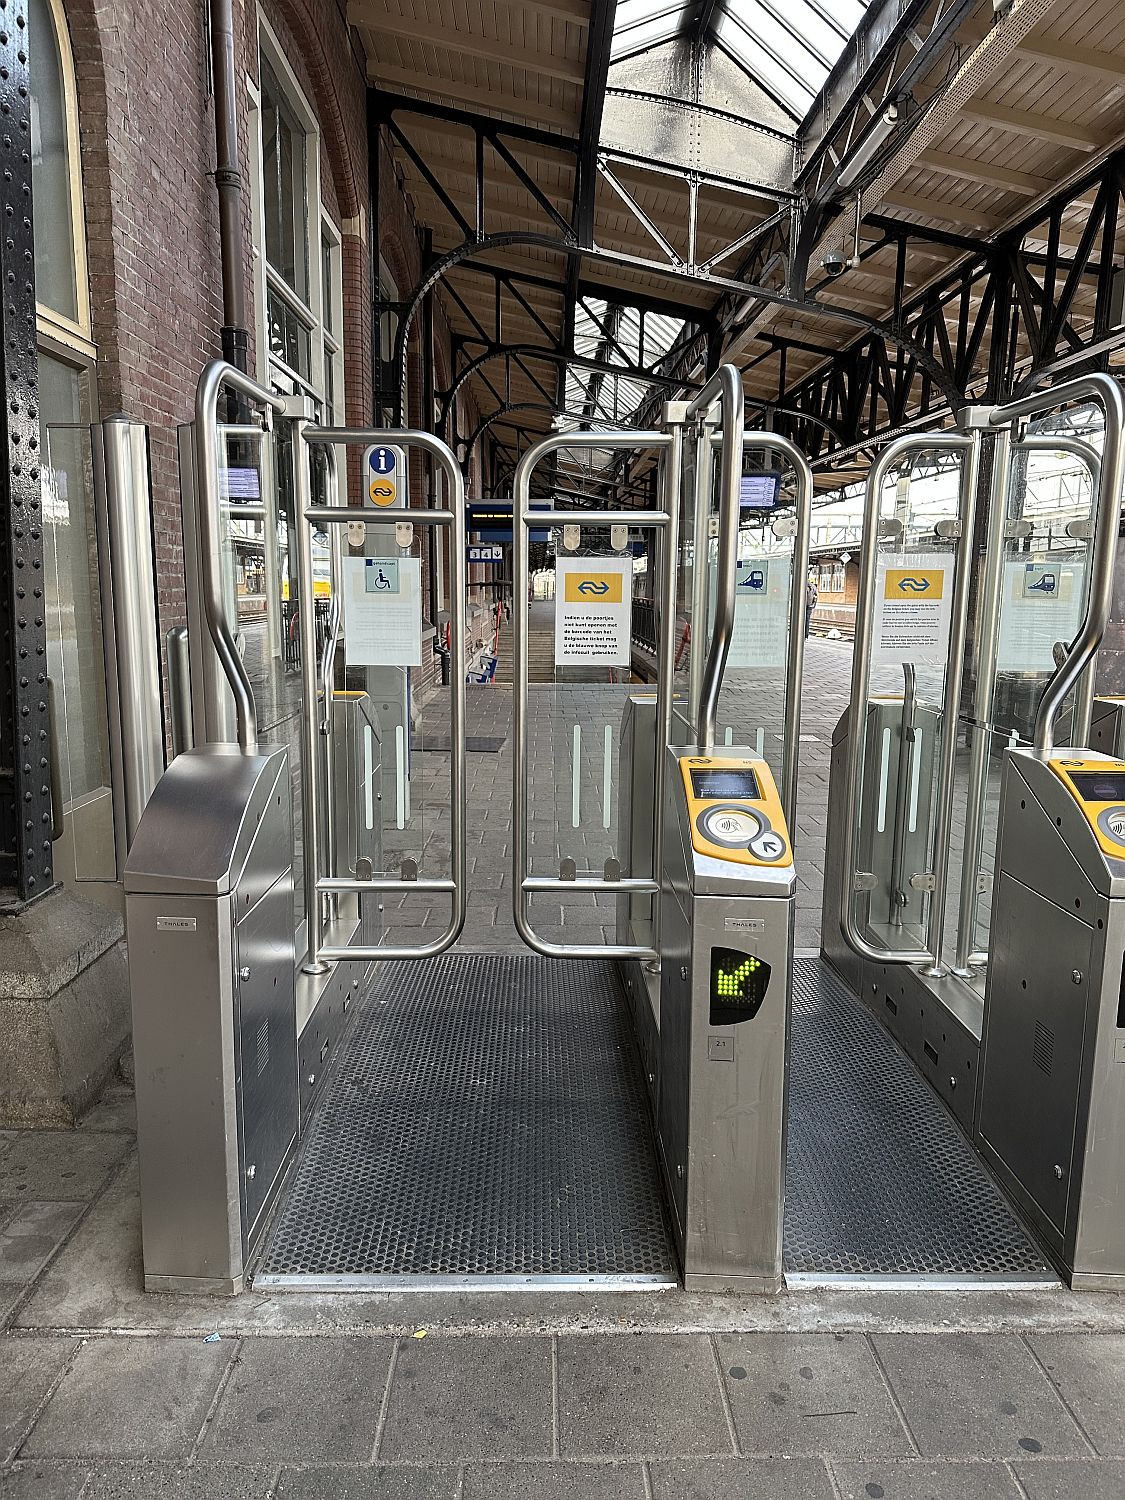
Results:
<point x="107" y="1393"/>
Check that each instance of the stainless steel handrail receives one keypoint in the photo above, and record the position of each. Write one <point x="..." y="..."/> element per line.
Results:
<point x="907" y="731"/>
<point x="216" y="377"/>
<point x="969" y="445"/>
<point x="1099" y="597"/>
<point x="523" y="519"/>
<point x="320" y="954"/>
<point x="179" y="689"/>
<point x="725" y="389"/>
<point x="327" y="669"/>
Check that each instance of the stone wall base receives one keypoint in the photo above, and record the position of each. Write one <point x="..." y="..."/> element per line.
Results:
<point x="64" y="1009"/>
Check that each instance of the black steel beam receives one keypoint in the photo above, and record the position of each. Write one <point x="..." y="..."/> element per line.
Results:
<point x="26" y="850"/>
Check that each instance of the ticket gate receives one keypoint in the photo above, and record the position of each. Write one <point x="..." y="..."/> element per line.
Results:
<point x="708" y="891"/>
<point x="1051" y="1118"/>
<point x="727" y="891"/>
<point x="1020" y="1037"/>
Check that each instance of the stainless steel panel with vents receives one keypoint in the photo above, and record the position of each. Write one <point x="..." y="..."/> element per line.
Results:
<point x="1051" y="1114"/>
<point x="212" y="961"/>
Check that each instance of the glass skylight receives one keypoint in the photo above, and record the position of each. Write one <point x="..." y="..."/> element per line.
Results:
<point x="787" y="46"/>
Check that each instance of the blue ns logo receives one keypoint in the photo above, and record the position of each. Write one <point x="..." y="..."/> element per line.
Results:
<point x="588" y="586"/>
<point x="915" y="585"/>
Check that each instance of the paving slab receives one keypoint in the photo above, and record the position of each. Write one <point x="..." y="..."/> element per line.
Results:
<point x="647" y="1394"/>
<point x="292" y="1400"/>
<point x="1088" y="1370"/>
<point x="556" y="1481"/>
<point x="159" y="1481"/>
<point x="899" y="1479"/>
<point x="131" y="1398"/>
<point x="969" y="1397"/>
<point x="460" y="1398"/>
<point x="28" y="1369"/>
<point x="378" y="1483"/>
<point x="815" y="1394"/>
<point x="60" y="1165"/>
<point x="42" y="1481"/>
<point x="115" y="1111"/>
<point x="1072" y="1479"/>
<point x="32" y="1235"/>
<point x="741" y="1479"/>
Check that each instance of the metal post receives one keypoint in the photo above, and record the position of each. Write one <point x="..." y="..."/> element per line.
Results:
<point x="179" y="689"/>
<point x="300" y="409"/>
<point x="981" y="726"/>
<point x="327" y="673"/>
<point x="725" y="386"/>
<point x="906" y="740"/>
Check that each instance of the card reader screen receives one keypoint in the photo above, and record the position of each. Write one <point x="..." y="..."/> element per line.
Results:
<point x="1100" y="786"/>
<point x="736" y="782"/>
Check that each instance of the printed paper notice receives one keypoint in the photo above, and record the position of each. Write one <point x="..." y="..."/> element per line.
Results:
<point x="761" y="613"/>
<point x="913" y="606"/>
<point x="593" y="611"/>
<point x="1041" y="605"/>
<point x="383" y="611"/>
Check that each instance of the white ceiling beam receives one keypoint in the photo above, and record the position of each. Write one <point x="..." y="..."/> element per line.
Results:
<point x="1005" y="179"/>
<point x="1073" y="59"/>
<point x="573" y="12"/>
<point x="491" y="101"/>
<point x="469" y="44"/>
<point x="946" y="213"/>
<point x="1023" y="122"/>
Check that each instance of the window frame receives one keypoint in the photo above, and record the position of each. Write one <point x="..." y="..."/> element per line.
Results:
<point x="71" y="335"/>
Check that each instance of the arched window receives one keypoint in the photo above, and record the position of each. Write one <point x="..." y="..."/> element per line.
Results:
<point x="67" y="407"/>
<point x="61" y="284"/>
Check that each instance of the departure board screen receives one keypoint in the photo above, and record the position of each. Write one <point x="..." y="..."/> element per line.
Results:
<point x="730" y="781"/>
<point x="1100" y="786"/>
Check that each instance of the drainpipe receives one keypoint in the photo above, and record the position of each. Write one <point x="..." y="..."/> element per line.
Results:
<point x="228" y="180"/>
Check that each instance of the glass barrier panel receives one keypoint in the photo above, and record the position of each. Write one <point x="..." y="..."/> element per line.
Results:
<point x="73" y="613"/>
<point x="1041" y="600"/>
<point x="904" y="728"/>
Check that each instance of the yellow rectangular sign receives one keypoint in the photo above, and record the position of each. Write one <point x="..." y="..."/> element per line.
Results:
<point x="593" y="588"/>
<point x="926" y="584"/>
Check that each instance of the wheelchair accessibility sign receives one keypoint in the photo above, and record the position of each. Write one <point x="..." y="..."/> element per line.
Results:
<point x="383" y="611"/>
<point x="380" y="575"/>
<point x="384" y="471"/>
<point x="913" y="601"/>
<point x="593" y="611"/>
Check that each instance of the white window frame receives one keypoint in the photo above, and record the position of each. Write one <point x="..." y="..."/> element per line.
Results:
<point x="332" y="337"/>
<point x="270" y="369"/>
<point x="50" y="323"/>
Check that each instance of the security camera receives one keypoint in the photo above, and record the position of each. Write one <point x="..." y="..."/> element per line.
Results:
<point x="835" y="263"/>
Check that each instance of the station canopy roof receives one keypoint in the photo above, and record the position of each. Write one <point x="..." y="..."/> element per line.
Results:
<point x="667" y="138"/>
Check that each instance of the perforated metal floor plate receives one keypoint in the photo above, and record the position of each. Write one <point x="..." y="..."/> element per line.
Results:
<point x="880" y="1181"/>
<point x="487" y="1119"/>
